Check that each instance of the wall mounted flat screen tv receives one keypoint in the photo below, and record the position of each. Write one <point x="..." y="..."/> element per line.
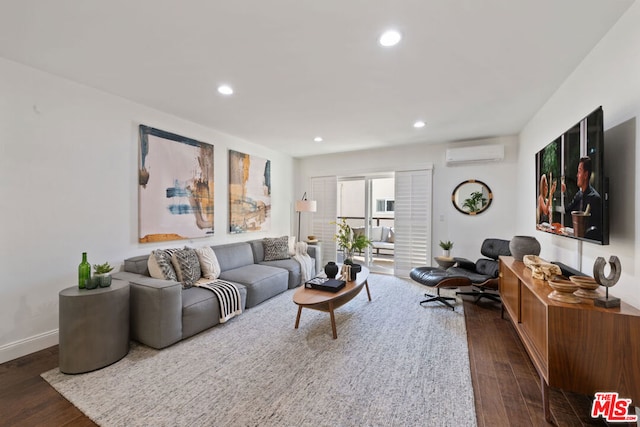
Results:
<point x="571" y="187"/>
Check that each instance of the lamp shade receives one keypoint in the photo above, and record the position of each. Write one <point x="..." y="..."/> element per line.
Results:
<point x="306" y="206"/>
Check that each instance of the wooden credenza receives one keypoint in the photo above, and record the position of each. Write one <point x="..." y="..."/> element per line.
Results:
<point x="576" y="347"/>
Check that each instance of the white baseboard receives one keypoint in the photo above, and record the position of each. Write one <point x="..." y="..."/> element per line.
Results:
<point x="29" y="345"/>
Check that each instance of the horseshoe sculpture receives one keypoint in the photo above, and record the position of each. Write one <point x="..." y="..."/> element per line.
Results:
<point x="614" y="274"/>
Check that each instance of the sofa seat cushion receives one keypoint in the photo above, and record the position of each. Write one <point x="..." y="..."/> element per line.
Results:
<point x="291" y="265"/>
<point x="201" y="310"/>
<point x="382" y="245"/>
<point x="473" y="276"/>
<point x="262" y="281"/>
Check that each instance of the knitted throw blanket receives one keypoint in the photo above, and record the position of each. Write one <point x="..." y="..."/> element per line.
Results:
<point x="228" y="297"/>
<point x="307" y="266"/>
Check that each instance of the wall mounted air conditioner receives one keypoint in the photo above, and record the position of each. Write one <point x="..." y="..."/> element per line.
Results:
<point x="479" y="153"/>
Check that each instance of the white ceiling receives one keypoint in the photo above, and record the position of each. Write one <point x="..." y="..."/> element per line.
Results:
<point x="302" y="68"/>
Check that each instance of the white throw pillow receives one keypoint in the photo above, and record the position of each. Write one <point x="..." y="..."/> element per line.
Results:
<point x="154" y="269"/>
<point x="208" y="262"/>
<point x="292" y="245"/>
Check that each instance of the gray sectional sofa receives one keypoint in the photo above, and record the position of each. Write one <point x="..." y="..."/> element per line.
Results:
<point x="163" y="312"/>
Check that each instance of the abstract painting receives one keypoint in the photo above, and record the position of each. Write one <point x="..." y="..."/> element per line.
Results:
<point x="249" y="193"/>
<point x="175" y="187"/>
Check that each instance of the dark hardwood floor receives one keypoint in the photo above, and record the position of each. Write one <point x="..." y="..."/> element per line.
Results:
<point x="505" y="383"/>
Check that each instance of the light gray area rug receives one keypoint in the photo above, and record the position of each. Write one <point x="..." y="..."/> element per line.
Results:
<point x="394" y="363"/>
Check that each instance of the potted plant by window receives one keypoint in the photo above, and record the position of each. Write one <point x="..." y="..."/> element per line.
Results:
<point x="350" y="243"/>
<point x="102" y="274"/>
<point x="446" y="248"/>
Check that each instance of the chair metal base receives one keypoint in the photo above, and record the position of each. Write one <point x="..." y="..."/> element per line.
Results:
<point x="440" y="299"/>
<point x="481" y="293"/>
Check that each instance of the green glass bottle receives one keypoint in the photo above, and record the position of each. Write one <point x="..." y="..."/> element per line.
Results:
<point x="84" y="271"/>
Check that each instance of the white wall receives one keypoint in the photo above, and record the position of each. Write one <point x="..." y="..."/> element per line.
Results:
<point x="466" y="232"/>
<point x="68" y="162"/>
<point x="608" y="76"/>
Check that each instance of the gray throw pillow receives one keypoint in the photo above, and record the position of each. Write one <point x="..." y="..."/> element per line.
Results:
<point x="276" y="248"/>
<point x="163" y="258"/>
<point x="187" y="266"/>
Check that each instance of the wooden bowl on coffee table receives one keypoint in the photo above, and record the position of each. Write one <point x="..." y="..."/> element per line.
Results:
<point x="563" y="291"/>
<point x="587" y="285"/>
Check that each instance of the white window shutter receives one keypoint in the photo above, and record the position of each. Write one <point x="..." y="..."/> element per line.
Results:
<point x="413" y="194"/>
<point x="324" y="190"/>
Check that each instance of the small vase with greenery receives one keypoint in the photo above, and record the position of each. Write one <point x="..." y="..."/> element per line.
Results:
<point x="446" y="248"/>
<point x="350" y="242"/>
<point x="102" y="274"/>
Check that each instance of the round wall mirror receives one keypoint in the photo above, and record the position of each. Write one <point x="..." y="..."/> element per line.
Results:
<point x="472" y="197"/>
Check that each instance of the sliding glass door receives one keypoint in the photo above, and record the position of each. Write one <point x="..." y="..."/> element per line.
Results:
<point x="398" y="221"/>
<point x="367" y="205"/>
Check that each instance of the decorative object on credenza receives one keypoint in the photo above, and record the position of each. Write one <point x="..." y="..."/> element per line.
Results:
<point x="331" y="270"/>
<point x="524" y="245"/>
<point x="563" y="291"/>
<point x="446" y="248"/>
<point x="587" y="285"/>
<point x="607" y="281"/>
<point x="84" y="271"/>
<point x="102" y="275"/>
<point x="540" y="268"/>
<point x="305" y="205"/>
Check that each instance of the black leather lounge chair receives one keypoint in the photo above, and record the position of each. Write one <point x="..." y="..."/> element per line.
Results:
<point x="481" y="275"/>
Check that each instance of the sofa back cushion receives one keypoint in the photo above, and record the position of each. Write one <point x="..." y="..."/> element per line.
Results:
<point x="258" y="250"/>
<point x="376" y="234"/>
<point x="233" y="255"/>
<point x="137" y="264"/>
<point x="493" y="248"/>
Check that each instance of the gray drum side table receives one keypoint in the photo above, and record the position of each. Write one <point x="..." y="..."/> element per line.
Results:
<point x="93" y="327"/>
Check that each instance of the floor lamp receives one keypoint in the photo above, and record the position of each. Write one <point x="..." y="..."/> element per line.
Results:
<point x="304" y="205"/>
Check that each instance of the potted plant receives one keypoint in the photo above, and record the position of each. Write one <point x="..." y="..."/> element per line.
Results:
<point x="102" y="274"/>
<point x="349" y="242"/>
<point x="446" y="247"/>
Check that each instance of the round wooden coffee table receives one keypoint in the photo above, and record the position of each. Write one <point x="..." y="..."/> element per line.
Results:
<point x="329" y="301"/>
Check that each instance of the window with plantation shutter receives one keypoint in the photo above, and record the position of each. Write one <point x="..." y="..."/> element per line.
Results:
<point x="412" y="226"/>
<point x="324" y="190"/>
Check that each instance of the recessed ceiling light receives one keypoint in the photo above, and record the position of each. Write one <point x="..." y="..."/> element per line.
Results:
<point x="390" y="38"/>
<point x="419" y="124"/>
<point x="318" y="139"/>
<point x="225" y="90"/>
